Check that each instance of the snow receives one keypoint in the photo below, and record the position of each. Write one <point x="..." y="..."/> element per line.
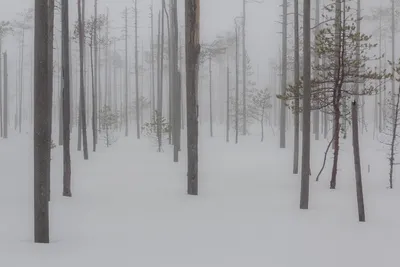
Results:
<point x="130" y="208"/>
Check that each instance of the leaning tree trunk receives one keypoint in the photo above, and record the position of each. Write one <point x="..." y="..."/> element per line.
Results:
<point x="192" y="22"/>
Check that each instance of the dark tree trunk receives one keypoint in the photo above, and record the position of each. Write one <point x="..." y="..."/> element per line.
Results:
<point x="192" y="22"/>
<point x="42" y="136"/>
<point x="357" y="163"/>
<point x="82" y="101"/>
<point x="66" y="99"/>
<point x="305" y="163"/>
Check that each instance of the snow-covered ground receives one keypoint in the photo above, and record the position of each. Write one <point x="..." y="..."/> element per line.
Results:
<point x="130" y="208"/>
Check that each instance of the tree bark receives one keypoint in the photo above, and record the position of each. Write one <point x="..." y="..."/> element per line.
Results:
<point x="357" y="164"/>
<point x="42" y="136"/>
<point x="297" y="84"/>
<point x="66" y="99"/>
<point x="282" y="137"/>
<point x="192" y="22"/>
<point x="137" y="75"/>
<point x="305" y="164"/>
<point x="5" y="106"/>
<point x="82" y="80"/>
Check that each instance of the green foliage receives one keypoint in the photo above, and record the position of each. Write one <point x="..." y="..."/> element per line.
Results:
<point x="150" y="128"/>
<point x="109" y="120"/>
<point x="343" y="55"/>
<point x="5" y="29"/>
<point x="260" y="102"/>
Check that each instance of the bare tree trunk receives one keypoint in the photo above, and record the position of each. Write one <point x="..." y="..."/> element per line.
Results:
<point x="305" y="164"/>
<point x="94" y="79"/>
<point x="152" y="81"/>
<point x="284" y="76"/>
<point x="137" y="75"/>
<point x="227" y="102"/>
<point x="210" y="86"/>
<point x="357" y="164"/>
<point x="176" y="81"/>
<point x="393" y="54"/>
<point x="297" y="84"/>
<point x="50" y="83"/>
<point x="82" y="81"/>
<point x="192" y="22"/>
<point x="126" y="73"/>
<point x="244" y="69"/>
<point x="237" y="87"/>
<point x="5" y="106"/>
<point x="159" y="86"/>
<point x="316" y="59"/>
<point x="1" y="89"/>
<point x="66" y="99"/>
<point x="42" y="136"/>
<point x="21" y="84"/>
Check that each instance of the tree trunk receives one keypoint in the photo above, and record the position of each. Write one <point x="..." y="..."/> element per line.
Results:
<point x="297" y="84"/>
<point x="126" y="73"/>
<point x="227" y="102"/>
<point x="1" y="89"/>
<point x="316" y="59"/>
<point x="305" y="164"/>
<point x="82" y="81"/>
<point x="137" y="75"/>
<point x="66" y="99"/>
<point x="192" y="22"/>
<point x="210" y="86"/>
<point x="94" y="79"/>
<point x="42" y="136"/>
<point x="237" y="87"/>
<point x="5" y="106"/>
<point x="244" y="69"/>
<point x="357" y="163"/>
<point x="284" y="76"/>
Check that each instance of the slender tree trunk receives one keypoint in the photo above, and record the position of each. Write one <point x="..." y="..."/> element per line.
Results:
<point x="176" y="81"/>
<point x="21" y="84"/>
<point x="192" y="22"/>
<point x="393" y="54"/>
<point x="284" y="76"/>
<point x="336" y="94"/>
<point x="159" y="86"/>
<point x="66" y="99"/>
<point x="244" y="69"/>
<point x="1" y="89"/>
<point x="94" y="79"/>
<point x="237" y="88"/>
<point x="297" y="84"/>
<point x="5" y="106"/>
<point x="305" y="164"/>
<point x="42" y="136"/>
<point x="210" y="86"/>
<point x="81" y="11"/>
<point x="50" y="84"/>
<point x="316" y="59"/>
<point x="152" y="88"/>
<point x="137" y="75"/>
<point x="227" y="102"/>
<point x="126" y="73"/>
<point x="357" y="163"/>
